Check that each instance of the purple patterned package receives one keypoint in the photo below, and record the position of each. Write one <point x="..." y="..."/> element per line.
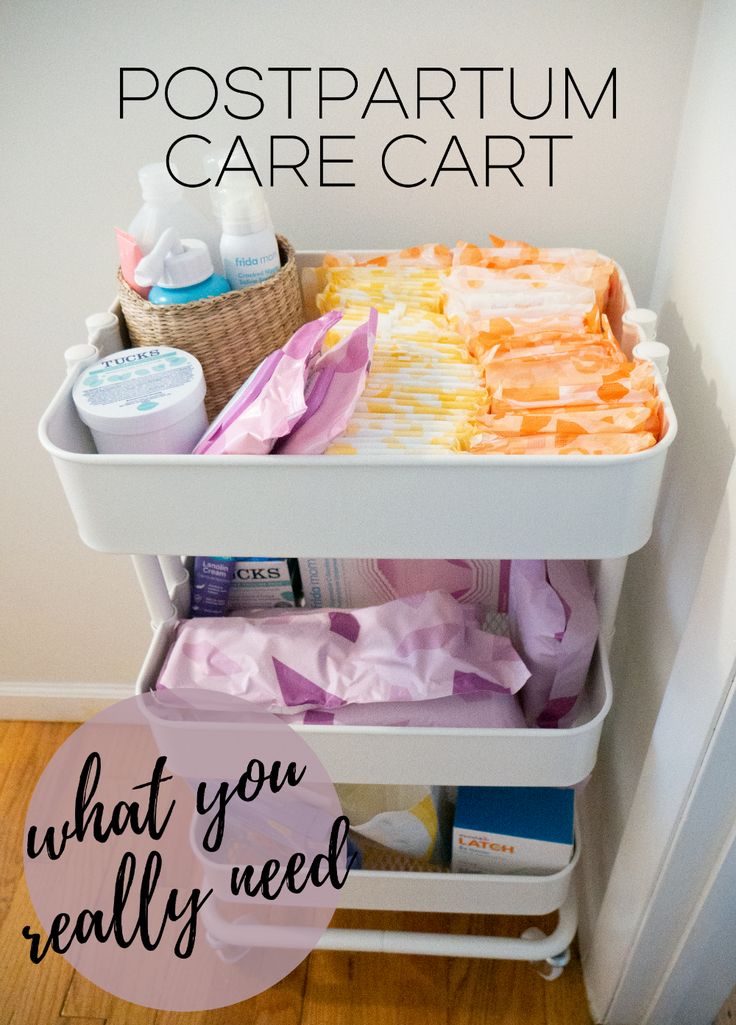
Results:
<point x="336" y="384"/>
<point x="553" y="622"/>
<point x="272" y="400"/>
<point x="286" y="661"/>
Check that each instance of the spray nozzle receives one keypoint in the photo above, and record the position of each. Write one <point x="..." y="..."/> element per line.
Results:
<point x="243" y="209"/>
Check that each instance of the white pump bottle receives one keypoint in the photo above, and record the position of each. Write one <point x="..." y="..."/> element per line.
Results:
<point x="165" y="206"/>
<point x="249" y="250"/>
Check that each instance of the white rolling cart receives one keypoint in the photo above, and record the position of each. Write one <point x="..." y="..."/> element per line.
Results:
<point x="598" y="508"/>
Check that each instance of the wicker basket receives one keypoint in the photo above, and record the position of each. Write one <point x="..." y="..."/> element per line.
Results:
<point x="230" y="334"/>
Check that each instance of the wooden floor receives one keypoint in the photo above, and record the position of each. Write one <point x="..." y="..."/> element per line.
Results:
<point x="355" y="989"/>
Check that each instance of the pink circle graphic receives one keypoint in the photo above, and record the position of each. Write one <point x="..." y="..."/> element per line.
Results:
<point x="184" y="852"/>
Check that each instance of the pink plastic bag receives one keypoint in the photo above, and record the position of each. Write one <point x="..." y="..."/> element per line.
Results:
<point x="281" y="660"/>
<point x="336" y="383"/>
<point x="272" y="400"/>
<point x="553" y="622"/>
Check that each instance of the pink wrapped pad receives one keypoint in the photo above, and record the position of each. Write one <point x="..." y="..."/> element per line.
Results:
<point x="272" y="400"/>
<point x="412" y="649"/>
<point x="553" y="621"/>
<point x="335" y="385"/>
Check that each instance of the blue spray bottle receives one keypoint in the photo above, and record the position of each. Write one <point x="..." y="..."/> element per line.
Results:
<point x="180" y="271"/>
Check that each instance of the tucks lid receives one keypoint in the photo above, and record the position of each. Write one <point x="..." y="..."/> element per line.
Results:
<point x="135" y="391"/>
<point x="175" y="263"/>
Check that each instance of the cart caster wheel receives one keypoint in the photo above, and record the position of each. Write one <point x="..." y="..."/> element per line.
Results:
<point x="552" y="967"/>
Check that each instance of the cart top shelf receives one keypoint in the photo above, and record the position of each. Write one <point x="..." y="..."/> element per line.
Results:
<point x="456" y="505"/>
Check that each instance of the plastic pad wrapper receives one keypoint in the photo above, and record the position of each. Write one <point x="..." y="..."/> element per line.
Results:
<point x="478" y="285"/>
<point x="499" y="345"/>
<point x="561" y="445"/>
<point x="568" y="381"/>
<point x="593" y="345"/>
<point x="417" y="648"/>
<point x="272" y="400"/>
<point x="414" y="256"/>
<point x="571" y="422"/>
<point x="336" y="384"/>
<point x="582" y="266"/>
<point x="553" y="621"/>
<point x="520" y="324"/>
<point x="477" y="710"/>
<point x="382" y="287"/>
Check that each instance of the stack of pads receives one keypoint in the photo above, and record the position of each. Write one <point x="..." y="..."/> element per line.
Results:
<point x="423" y="387"/>
<point x="505" y="349"/>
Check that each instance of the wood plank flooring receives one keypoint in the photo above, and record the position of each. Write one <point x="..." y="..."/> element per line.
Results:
<point x="329" y="988"/>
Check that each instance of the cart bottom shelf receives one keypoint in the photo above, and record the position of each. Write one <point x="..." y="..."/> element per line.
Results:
<point x="444" y="892"/>
<point x="460" y="893"/>
<point x="232" y="938"/>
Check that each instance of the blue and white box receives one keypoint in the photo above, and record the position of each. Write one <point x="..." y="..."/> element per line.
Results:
<point x="513" y="830"/>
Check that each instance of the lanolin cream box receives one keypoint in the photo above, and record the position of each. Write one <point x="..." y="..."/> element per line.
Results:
<point x="357" y="583"/>
<point x="512" y="830"/>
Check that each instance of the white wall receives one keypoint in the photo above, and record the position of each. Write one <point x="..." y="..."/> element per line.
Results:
<point x="692" y="289"/>
<point x="69" y="176"/>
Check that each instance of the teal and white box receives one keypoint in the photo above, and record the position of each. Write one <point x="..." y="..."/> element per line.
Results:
<point x="513" y="830"/>
<point x="261" y="583"/>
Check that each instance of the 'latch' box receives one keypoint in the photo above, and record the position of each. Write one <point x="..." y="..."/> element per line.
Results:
<point x="512" y="829"/>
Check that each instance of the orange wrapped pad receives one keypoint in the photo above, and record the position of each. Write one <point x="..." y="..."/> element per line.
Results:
<point x="581" y="266"/>
<point x="500" y="344"/>
<point x="570" y="422"/>
<point x="517" y="328"/>
<point x="568" y="381"/>
<point x="551" y="444"/>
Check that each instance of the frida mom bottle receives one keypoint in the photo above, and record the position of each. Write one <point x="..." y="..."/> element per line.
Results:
<point x="250" y="253"/>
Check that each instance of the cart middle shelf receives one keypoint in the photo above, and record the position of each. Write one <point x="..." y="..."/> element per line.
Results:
<point x="423" y="755"/>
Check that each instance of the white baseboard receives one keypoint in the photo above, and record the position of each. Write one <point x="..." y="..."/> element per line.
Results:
<point x="61" y="701"/>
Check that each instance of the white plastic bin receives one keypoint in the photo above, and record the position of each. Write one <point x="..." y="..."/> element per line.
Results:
<point x="414" y="755"/>
<point x="459" y="505"/>
<point x="433" y="891"/>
